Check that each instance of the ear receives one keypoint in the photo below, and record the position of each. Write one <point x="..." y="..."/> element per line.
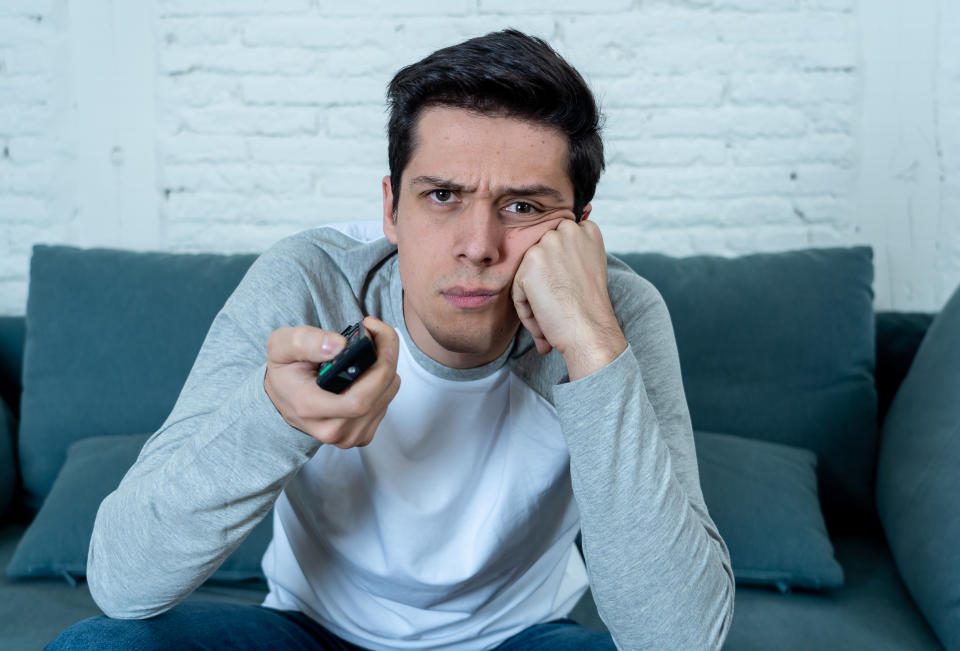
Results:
<point x="586" y="212"/>
<point x="389" y="226"/>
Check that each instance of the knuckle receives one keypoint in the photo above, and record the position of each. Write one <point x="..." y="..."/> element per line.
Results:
<point x="352" y="406"/>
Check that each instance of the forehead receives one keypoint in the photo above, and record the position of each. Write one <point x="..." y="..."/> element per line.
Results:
<point x="477" y="149"/>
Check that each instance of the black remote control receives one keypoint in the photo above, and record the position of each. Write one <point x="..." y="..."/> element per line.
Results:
<point x="357" y="356"/>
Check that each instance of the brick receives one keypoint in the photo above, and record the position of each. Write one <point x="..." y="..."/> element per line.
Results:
<point x="314" y="32"/>
<point x="552" y="6"/>
<point x="414" y="39"/>
<point x="30" y="149"/>
<point x="830" y="117"/>
<point x="197" y="89"/>
<point x="26" y="8"/>
<point x="35" y="180"/>
<point x="236" y="59"/>
<point x="660" y="91"/>
<point x="203" y="237"/>
<point x="812" y="56"/>
<point x="839" y="149"/>
<point x="743" y="240"/>
<point x="823" y="210"/>
<point x="242" y="178"/>
<point x="231" y="7"/>
<point x="794" y="89"/>
<point x="667" y="152"/>
<point x="360" y="61"/>
<point x="354" y="121"/>
<point x="316" y="150"/>
<point x="758" y="5"/>
<point x="714" y="122"/>
<point x="834" y="5"/>
<point x="354" y="182"/>
<point x="25" y="90"/>
<point x="24" y="120"/>
<point x="14" y="208"/>
<point x="192" y="148"/>
<point x="20" y="30"/>
<point x="785" y="27"/>
<point x="374" y="8"/>
<point x="313" y="90"/>
<point x="201" y="31"/>
<point x="248" y="120"/>
<point x="722" y="182"/>
<point x="32" y="59"/>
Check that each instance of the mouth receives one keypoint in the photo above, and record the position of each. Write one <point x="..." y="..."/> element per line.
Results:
<point x="470" y="298"/>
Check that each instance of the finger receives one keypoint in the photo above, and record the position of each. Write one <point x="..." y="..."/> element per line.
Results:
<point x="371" y="429"/>
<point x="303" y="344"/>
<point x="385" y="340"/>
<point x="527" y="317"/>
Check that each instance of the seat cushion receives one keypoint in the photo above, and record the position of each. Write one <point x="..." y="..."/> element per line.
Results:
<point x="871" y="612"/>
<point x="918" y="482"/>
<point x="111" y="337"/>
<point x="780" y="347"/>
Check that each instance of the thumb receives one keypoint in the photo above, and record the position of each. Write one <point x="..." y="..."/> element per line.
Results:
<point x="303" y="344"/>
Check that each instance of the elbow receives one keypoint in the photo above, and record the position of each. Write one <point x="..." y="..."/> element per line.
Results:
<point x="114" y="599"/>
<point x="119" y="592"/>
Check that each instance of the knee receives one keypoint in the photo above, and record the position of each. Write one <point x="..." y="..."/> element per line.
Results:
<point x="107" y="634"/>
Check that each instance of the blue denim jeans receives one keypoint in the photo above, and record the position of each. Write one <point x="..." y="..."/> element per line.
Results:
<point x="207" y="625"/>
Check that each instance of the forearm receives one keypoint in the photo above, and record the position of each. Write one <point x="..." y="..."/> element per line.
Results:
<point x="659" y="571"/>
<point x="201" y="484"/>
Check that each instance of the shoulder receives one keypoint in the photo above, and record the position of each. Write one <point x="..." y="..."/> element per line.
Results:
<point x="631" y="294"/>
<point x="324" y="253"/>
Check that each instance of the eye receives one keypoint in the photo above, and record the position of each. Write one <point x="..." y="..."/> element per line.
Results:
<point x="442" y="196"/>
<point x="523" y="209"/>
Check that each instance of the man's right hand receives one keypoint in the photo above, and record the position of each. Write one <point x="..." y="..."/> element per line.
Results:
<point x="348" y="419"/>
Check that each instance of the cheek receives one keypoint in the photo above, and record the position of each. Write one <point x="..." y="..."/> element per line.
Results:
<point x="516" y="241"/>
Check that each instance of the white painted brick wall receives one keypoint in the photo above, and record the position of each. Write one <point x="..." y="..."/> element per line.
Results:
<point x="732" y="125"/>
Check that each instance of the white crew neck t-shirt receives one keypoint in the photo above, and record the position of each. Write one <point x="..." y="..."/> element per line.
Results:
<point x="453" y="529"/>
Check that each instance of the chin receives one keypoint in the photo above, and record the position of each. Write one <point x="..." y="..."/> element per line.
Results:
<point x="463" y="342"/>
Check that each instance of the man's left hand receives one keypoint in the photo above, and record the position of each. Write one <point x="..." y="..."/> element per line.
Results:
<point x="560" y="294"/>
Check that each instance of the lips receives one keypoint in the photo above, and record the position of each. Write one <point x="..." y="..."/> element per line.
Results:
<point x="469" y="298"/>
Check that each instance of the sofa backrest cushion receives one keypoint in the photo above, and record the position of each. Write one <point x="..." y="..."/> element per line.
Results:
<point x="918" y="482"/>
<point x="111" y="336"/>
<point x="780" y="347"/>
<point x="11" y="360"/>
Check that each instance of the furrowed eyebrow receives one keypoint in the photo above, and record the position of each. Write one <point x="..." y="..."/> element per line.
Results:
<point x="436" y="181"/>
<point x="535" y="190"/>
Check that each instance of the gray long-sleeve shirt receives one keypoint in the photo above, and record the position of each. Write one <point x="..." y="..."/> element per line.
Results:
<point x="658" y="568"/>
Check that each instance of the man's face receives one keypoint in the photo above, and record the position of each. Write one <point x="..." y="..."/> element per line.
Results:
<point x="476" y="193"/>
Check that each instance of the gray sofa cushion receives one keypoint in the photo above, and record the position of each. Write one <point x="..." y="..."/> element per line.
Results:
<point x="111" y="336"/>
<point x="56" y="542"/>
<point x="780" y="347"/>
<point x="763" y="498"/>
<point x="918" y="475"/>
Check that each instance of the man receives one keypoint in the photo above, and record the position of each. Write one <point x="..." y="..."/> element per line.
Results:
<point x="540" y="396"/>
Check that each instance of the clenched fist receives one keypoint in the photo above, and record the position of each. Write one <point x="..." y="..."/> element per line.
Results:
<point x="560" y="294"/>
<point x="346" y="420"/>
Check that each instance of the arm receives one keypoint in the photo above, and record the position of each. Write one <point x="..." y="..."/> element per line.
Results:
<point x="225" y="453"/>
<point x="659" y="571"/>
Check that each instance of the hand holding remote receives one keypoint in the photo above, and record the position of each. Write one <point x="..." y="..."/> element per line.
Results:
<point x="348" y="419"/>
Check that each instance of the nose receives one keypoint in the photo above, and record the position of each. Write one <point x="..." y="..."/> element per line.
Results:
<point x="480" y="235"/>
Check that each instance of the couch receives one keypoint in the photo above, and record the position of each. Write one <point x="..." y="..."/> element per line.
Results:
<point x="825" y="434"/>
